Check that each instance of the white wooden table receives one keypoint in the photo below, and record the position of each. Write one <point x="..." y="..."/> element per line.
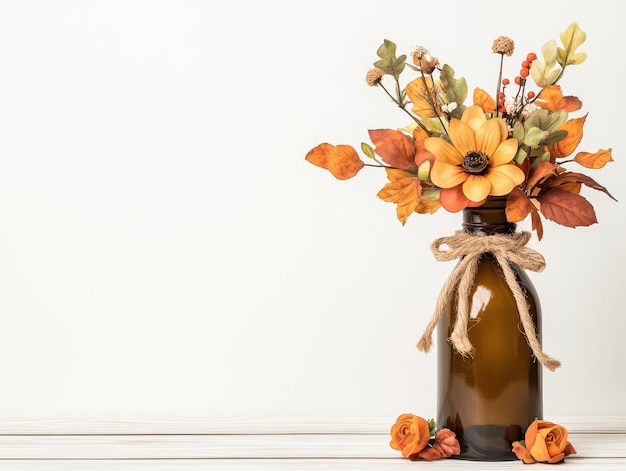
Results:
<point x="278" y="445"/>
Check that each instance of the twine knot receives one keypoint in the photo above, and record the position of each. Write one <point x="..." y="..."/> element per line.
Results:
<point x="508" y="250"/>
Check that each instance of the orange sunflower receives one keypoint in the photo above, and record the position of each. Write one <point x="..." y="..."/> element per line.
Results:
<point x="478" y="163"/>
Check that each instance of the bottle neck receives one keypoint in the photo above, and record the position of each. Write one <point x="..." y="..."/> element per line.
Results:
<point x="488" y="219"/>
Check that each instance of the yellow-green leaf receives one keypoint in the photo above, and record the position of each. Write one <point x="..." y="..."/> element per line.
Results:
<point x="544" y="73"/>
<point x="571" y="38"/>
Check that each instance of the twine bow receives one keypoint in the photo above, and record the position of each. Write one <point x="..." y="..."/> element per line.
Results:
<point x="508" y="249"/>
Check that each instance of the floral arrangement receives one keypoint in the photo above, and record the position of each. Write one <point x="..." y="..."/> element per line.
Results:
<point x="514" y="144"/>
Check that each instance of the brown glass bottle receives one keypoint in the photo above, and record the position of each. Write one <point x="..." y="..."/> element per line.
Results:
<point x="489" y="399"/>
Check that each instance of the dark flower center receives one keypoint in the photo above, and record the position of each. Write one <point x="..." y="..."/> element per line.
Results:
<point x="475" y="162"/>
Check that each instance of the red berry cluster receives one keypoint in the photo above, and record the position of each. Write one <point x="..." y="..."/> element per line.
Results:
<point x="519" y="80"/>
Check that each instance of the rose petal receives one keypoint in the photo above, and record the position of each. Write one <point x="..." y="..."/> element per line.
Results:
<point x="569" y="450"/>
<point x="429" y="454"/>
<point x="446" y="443"/>
<point x="556" y="458"/>
<point x="522" y="453"/>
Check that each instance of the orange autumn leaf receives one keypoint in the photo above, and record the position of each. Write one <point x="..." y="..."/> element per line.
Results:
<point x="423" y="98"/>
<point x="565" y="208"/>
<point x="341" y="160"/>
<point x="541" y="171"/>
<point x="405" y="192"/>
<point x="394" y="147"/>
<point x="518" y="206"/>
<point x="553" y="100"/>
<point x="394" y="174"/>
<point x="596" y="160"/>
<point x="427" y="206"/>
<point x="421" y="154"/>
<point x="484" y="100"/>
<point x="537" y="225"/>
<point x="565" y="147"/>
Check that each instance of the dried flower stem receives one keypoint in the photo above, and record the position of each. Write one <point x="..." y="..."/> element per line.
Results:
<point x="428" y="98"/>
<point x="402" y="106"/>
<point x="499" y="84"/>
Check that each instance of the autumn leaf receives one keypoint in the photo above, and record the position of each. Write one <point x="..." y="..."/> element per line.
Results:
<point x="341" y="160"/>
<point x="517" y="205"/>
<point x="394" y="174"/>
<point x="596" y="160"/>
<point x="405" y="193"/>
<point x="394" y="147"/>
<point x="537" y="224"/>
<point x="565" y="147"/>
<point x="423" y="98"/>
<point x="539" y="172"/>
<point x="573" y="177"/>
<point x="421" y="154"/>
<point x="565" y="208"/>
<point x="553" y="100"/>
<point x="425" y="206"/>
<point x="484" y="100"/>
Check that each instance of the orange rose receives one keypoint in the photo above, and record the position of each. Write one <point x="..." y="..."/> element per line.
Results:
<point x="410" y="434"/>
<point x="545" y="443"/>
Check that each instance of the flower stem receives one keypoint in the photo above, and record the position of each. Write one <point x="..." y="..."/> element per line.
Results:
<point x="403" y="108"/>
<point x="499" y="84"/>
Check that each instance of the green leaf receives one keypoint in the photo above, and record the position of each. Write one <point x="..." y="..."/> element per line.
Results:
<point x="453" y="90"/>
<point x="423" y="171"/>
<point x="545" y="120"/>
<point x="432" y="427"/>
<point x="554" y="137"/>
<point x="522" y="153"/>
<point x="458" y="112"/>
<point x="434" y="125"/>
<point x="384" y="66"/>
<point x="519" y="132"/>
<point x="543" y="157"/>
<point x="387" y="51"/>
<point x="431" y="194"/>
<point x="388" y="62"/>
<point x="368" y="150"/>
<point x="534" y="137"/>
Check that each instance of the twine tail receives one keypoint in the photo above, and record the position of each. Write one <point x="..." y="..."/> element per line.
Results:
<point x="527" y="322"/>
<point x="459" y="337"/>
<point x="426" y="341"/>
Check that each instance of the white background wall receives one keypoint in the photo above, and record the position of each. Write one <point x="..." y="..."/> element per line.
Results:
<point x="167" y="253"/>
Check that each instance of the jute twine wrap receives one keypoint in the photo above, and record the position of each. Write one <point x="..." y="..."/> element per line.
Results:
<point x="508" y="249"/>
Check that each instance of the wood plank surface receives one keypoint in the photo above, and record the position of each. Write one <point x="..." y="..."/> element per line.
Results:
<point x="307" y="445"/>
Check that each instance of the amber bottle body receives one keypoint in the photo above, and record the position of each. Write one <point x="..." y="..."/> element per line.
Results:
<point x="490" y="398"/>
